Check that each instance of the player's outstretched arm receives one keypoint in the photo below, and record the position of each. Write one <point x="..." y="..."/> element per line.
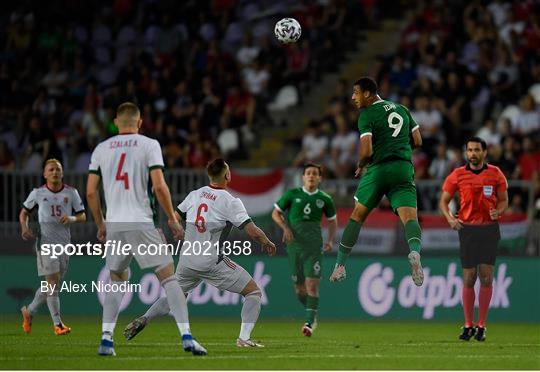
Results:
<point x="279" y="219"/>
<point x="163" y="196"/>
<point x="26" y="232"/>
<point x="94" y="203"/>
<point x="260" y="237"/>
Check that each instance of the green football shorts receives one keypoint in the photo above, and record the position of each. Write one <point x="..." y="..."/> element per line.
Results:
<point x="304" y="263"/>
<point x="395" y="179"/>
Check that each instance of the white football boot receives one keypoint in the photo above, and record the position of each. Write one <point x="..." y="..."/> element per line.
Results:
<point x="247" y="343"/>
<point x="416" y="268"/>
<point x="338" y="274"/>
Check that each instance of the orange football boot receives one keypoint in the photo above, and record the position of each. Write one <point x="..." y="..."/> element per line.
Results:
<point x="61" y="329"/>
<point x="27" y="320"/>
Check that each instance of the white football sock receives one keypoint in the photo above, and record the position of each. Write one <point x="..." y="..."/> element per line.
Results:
<point x="53" y="302"/>
<point x="250" y="314"/>
<point x="177" y="303"/>
<point x="111" y="308"/>
<point x="158" y="308"/>
<point x="39" y="298"/>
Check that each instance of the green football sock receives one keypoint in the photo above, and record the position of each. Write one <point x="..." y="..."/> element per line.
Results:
<point x="302" y="298"/>
<point x="413" y="234"/>
<point x="311" y="309"/>
<point x="348" y="240"/>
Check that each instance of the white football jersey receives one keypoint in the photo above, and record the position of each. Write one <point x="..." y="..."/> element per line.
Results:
<point x="210" y="213"/>
<point x="51" y="206"/>
<point x="124" y="163"/>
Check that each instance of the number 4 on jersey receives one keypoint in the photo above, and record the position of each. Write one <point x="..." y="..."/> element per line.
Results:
<point x="122" y="176"/>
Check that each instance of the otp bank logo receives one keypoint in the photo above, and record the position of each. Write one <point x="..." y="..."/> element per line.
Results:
<point x="374" y="291"/>
<point x="377" y="294"/>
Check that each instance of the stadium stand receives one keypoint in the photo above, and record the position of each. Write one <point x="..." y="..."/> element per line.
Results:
<point x="463" y="68"/>
<point x="201" y="72"/>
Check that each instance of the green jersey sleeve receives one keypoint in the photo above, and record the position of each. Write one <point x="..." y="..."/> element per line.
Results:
<point x="365" y="124"/>
<point x="284" y="202"/>
<point x="329" y="209"/>
<point x="412" y="123"/>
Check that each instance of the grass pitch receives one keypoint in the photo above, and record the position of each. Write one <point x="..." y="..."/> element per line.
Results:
<point x="335" y="345"/>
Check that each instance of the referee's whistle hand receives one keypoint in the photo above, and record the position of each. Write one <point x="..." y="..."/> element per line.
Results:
<point x="455" y="223"/>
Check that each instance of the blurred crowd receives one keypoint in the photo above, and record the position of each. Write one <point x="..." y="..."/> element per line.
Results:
<point x="202" y="73"/>
<point x="463" y="68"/>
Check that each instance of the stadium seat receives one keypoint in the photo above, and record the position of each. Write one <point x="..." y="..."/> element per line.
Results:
<point x="285" y="98"/>
<point x="510" y="112"/>
<point x="535" y="92"/>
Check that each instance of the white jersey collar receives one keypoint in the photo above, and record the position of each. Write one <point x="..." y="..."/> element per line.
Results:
<point x="309" y="193"/>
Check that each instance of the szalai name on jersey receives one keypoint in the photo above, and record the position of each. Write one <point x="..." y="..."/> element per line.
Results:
<point x="124" y="163"/>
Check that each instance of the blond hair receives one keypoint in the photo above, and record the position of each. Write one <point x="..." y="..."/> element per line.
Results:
<point x="52" y="160"/>
<point x="127" y="115"/>
<point x="128" y="109"/>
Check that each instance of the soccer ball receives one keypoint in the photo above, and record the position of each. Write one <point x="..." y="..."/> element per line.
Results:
<point x="288" y="30"/>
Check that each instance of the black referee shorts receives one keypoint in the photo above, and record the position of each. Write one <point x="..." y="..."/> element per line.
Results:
<point x="478" y="244"/>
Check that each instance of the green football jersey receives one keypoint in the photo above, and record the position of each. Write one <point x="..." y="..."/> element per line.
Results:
<point x="390" y="125"/>
<point x="305" y="211"/>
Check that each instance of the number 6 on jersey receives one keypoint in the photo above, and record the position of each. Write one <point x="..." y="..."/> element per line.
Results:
<point x="200" y="222"/>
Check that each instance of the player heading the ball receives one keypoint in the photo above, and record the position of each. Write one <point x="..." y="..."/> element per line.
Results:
<point x="210" y="213"/>
<point x="385" y="130"/>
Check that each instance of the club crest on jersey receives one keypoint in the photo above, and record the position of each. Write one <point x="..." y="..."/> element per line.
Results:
<point x="66" y="200"/>
<point x="317" y="268"/>
<point x="298" y="200"/>
<point x="319" y="203"/>
<point x="488" y="191"/>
